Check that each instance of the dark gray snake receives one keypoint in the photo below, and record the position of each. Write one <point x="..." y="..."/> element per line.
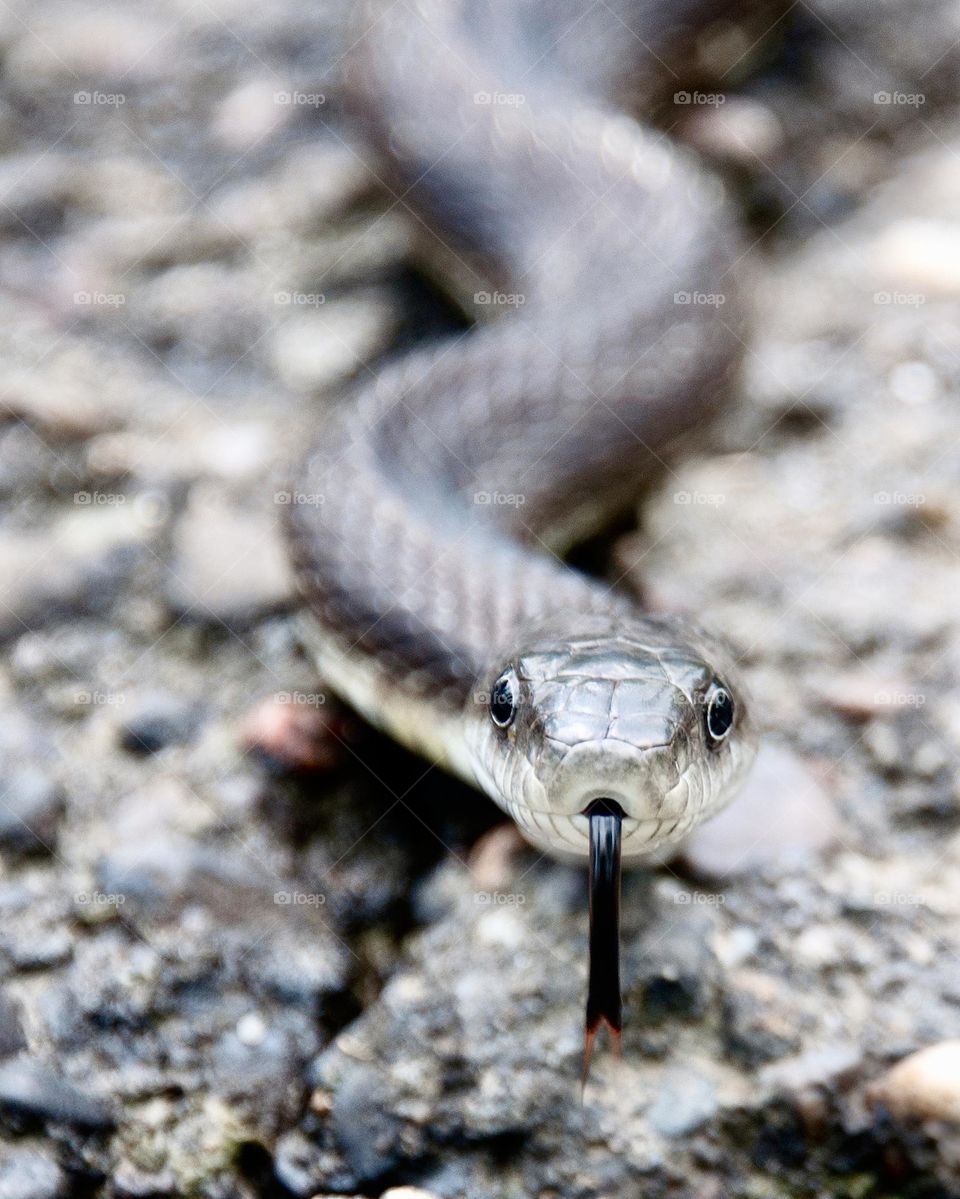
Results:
<point x="433" y="507"/>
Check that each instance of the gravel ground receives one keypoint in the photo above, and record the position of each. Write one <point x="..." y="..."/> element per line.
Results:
<point x="222" y="976"/>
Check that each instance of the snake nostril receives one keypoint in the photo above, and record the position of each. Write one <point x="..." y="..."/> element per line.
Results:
<point x="604" y="807"/>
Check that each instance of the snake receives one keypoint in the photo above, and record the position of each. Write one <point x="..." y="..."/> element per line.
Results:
<point x="431" y="517"/>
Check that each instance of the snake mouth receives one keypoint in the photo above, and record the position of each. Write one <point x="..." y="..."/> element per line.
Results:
<point x="604" y="1002"/>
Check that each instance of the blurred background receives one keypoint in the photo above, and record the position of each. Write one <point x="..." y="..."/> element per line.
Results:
<point x="249" y="949"/>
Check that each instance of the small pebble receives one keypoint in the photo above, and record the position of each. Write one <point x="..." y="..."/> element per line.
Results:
<point x="314" y="350"/>
<point x="130" y="1182"/>
<point x="760" y="1018"/>
<point x="229" y="565"/>
<point x="12" y="1039"/>
<point x="31" y="1172"/>
<point x="249" y="114"/>
<point x="860" y="696"/>
<point x="157" y="721"/>
<point x="30" y="812"/>
<point x="742" y="131"/>
<point x="825" y="1066"/>
<point x="408" y="1193"/>
<point x="31" y="1090"/>
<point x="42" y="951"/>
<point x="251" y="1029"/>
<point x="684" y="1103"/>
<point x="302" y="737"/>
<point x="923" y="1086"/>
<point x="76" y="565"/>
<point x="921" y="255"/>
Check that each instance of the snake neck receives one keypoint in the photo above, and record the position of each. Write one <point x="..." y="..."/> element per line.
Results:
<point x="441" y="495"/>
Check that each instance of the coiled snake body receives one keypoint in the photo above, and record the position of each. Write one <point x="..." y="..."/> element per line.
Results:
<point x="439" y="607"/>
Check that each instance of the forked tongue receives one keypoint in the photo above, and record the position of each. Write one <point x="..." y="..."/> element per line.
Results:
<point x="604" y="1005"/>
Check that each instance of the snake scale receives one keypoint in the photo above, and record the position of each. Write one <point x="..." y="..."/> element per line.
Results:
<point x="442" y="496"/>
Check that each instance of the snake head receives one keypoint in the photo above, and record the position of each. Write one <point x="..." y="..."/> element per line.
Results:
<point x="640" y="712"/>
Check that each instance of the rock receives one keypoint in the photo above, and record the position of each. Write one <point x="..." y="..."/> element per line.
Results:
<point x="153" y="874"/>
<point x="862" y="696"/>
<point x="304" y="1171"/>
<point x="675" y="975"/>
<point x="31" y="1172"/>
<point x="77" y="565"/>
<point x="742" y="132"/>
<point x="761" y="1022"/>
<point x="229" y="566"/>
<point x="182" y="306"/>
<point x="124" y="185"/>
<point x="921" y="255"/>
<point x="249" y="114"/>
<point x="782" y="812"/>
<point x="241" y="453"/>
<point x="130" y="1182"/>
<point x="115" y="245"/>
<point x="493" y="859"/>
<point x="156" y="721"/>
<point x="81" y="389"/>
<point x="684" y="1103"/>
<point x="315" y="349"/>
<point x="408" y="1193"/>
<point x="32" y="198"/>
<point x="299" y="731"/>
<point x="102" y="46"/>
<point x="366" y="1134"/>
<point x="827" y="1066"/>
<point x="30" y="812"/>
<point x="923" y="1086"/>
<point x="268" y="1068"/>
<point x="297" y="968"/>
<point x="12" y="1039"/>
<point x="41" y="951"/>
<point x="30" y="1091"/>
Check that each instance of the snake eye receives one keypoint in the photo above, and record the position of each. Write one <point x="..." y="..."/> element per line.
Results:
<point x="503" y="699"/>
<point x="720" y="713"/>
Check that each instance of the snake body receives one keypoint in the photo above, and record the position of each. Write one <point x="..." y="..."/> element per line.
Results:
<point x="435" y="504"/>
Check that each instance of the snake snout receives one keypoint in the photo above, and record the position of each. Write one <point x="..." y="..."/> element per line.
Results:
<point x="636" y="779"/>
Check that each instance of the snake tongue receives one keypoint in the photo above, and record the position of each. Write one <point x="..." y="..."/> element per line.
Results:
<point x="604" y="1005"/>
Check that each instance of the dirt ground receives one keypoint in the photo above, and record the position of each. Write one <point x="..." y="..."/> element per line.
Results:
<point x="222" y="978"/>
